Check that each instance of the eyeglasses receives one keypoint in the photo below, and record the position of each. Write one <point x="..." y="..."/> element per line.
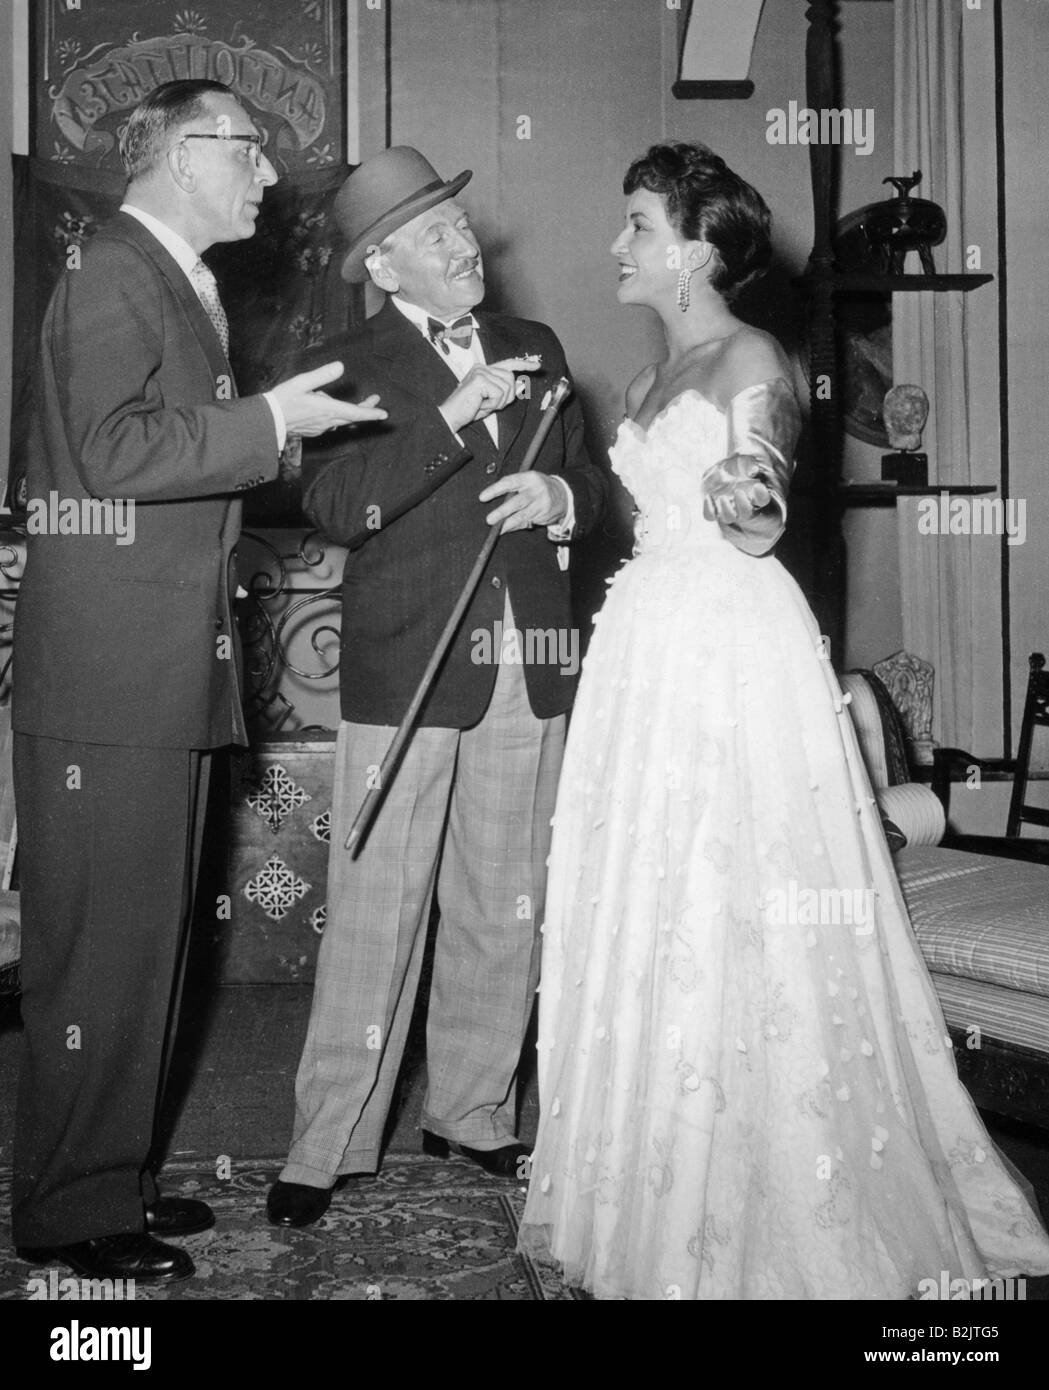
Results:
<point x="254" y="143"/>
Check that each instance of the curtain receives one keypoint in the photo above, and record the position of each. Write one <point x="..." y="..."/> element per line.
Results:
<point x="944" y="121"/>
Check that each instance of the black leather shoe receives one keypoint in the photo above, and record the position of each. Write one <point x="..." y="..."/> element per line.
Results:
<point x="295" y="1204"/>
<point x="511" y="1161"/>
<point x="130" y="1255"/>
<point x="178" y="1216"/>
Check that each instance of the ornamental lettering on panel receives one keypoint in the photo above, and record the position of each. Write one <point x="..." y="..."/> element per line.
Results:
<point x="281" y="58"/>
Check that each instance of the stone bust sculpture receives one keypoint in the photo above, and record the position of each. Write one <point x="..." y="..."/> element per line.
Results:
<point x="905" y="411"/>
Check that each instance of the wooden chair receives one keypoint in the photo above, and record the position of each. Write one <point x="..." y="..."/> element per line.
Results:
<point x="949" y="760"/>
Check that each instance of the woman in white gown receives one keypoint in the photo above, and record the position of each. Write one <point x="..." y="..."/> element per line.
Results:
<point x="746" y="1084"/>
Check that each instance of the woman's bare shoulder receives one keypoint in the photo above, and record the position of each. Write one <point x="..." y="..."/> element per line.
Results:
<point x="748" y="357"/>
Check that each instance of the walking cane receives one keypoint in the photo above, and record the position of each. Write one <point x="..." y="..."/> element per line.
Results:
<point x="552" y="404"/>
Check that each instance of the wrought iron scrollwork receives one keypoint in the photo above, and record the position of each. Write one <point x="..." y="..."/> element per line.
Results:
<point x="270" y="614"/>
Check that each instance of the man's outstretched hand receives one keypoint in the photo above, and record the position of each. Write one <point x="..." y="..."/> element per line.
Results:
<point x="308" y="410"/>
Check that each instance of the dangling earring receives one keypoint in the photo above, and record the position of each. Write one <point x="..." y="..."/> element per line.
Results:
<point x="684" y="289"/>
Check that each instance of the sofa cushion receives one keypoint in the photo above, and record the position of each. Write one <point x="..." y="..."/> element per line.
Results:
<point x="978" y="917"/>
<point x="916" y="810"/>
<point x="1006" y="1015"/>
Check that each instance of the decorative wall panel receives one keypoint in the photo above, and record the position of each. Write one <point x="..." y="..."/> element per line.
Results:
<point x="275" y="871"/>
<point x="96" y="60"/>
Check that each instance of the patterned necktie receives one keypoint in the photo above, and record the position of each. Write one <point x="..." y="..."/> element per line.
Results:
<point x="461" y="333"/>
<point x="208" y="293"/>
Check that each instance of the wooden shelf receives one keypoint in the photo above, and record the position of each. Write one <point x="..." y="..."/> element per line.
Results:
<point x="855" y="280"/>
<point x="882" y="493"/>
<point x="833" y="282"/>
<point x="843" y="281"/>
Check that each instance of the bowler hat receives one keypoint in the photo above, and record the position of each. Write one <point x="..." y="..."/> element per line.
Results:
<point x="383" y="194"/>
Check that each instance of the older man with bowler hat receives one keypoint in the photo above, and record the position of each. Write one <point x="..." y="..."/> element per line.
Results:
<point x="468" y="812"/>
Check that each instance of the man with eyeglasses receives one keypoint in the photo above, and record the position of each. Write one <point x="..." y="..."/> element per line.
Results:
<point x="127" y="672"/>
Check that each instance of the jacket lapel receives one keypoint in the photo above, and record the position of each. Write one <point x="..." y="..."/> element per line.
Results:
<point x="497" y="345"/>
<point x="423" y="371"/>
<point x="413" y="360"/>
<point x="130" y="229"/>
<point x="420" y="369"/>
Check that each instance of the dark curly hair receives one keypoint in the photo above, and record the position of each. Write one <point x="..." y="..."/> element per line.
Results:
<point x="706" y="201"/>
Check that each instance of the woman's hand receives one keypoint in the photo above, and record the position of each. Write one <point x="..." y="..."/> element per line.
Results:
<point x="736" y="488"/>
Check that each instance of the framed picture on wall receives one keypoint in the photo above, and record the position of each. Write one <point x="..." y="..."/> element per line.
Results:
<point x="93" y="61"/>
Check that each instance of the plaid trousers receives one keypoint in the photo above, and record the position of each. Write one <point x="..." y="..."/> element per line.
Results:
<point x="469" y="811"/>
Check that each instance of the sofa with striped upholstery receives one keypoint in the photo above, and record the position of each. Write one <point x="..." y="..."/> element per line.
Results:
<point x="982" y="922"/>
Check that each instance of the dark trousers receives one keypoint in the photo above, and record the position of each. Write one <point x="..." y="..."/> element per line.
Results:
<point x="109" y="845"/>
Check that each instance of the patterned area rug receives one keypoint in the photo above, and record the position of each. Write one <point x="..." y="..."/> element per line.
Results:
<point x="421" y="1229"/>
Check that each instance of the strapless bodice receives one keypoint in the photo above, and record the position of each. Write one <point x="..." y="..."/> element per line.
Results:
<point x="663" y="468"/>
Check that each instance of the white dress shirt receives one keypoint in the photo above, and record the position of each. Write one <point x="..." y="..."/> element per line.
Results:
<point x="186" y="258"/>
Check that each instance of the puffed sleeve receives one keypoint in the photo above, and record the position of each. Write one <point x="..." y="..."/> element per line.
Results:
<point x="763" y="427"/>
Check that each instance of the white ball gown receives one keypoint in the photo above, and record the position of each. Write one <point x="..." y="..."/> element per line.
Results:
<point x="746" y="1083"/>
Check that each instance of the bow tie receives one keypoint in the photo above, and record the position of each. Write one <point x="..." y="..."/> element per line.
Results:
<point x="461" y="332"/>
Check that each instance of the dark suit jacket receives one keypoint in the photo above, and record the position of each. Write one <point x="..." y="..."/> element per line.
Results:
<point x="400" y="587"/>
<point x="134" y="644"/>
